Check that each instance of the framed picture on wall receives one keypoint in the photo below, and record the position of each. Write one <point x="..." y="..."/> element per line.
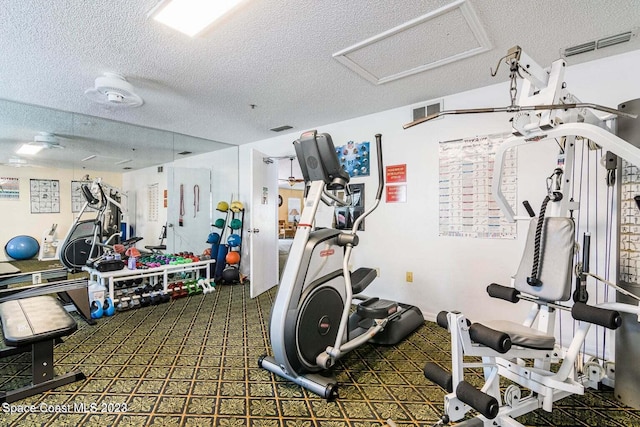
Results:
<point x="9" y="188"/>
<point x="345" y="216"/>
<point x="354" y="158"/>
<point x="45" y="196"/>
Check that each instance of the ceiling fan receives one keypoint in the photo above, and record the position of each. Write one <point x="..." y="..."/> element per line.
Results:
<point x="114" y="90"/>
<point x="292" y="180"/>
<point x="41" y="141"/>
<point x="46" y="140"/>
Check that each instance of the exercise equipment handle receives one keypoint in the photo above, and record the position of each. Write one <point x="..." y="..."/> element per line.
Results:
<point x="359" y="220"/>
<point x="380" y="166"/>
<point x="610" y="319"/>
<point x="503" y="292"/>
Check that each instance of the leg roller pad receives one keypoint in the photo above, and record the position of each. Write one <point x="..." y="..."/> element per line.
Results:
<point x="439" y="376"/>
<point x="481" y="402"/>
<point x="441" y="319"/>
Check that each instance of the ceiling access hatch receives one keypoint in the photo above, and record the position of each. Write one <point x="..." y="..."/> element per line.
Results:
<point x="442" y="36"/>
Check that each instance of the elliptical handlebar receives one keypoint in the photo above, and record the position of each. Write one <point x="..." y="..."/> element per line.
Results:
<point x="356" y="223"/>
<point x="380" y="166"/>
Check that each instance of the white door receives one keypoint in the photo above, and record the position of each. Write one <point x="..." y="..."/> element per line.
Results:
<point x="263" y="221"/>
<point x="189" y="210"/>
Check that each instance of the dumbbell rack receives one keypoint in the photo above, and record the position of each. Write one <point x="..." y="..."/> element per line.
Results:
<point x="108" y="278"/>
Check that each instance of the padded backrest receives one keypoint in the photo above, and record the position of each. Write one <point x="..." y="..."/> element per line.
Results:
<point x="319" y="161"/>
<point x="556" y="259"/>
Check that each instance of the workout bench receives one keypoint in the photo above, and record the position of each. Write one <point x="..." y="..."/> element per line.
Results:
<point x="39" y="322"/>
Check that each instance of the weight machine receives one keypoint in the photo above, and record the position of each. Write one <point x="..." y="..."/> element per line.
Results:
<point x="524" y="352"/>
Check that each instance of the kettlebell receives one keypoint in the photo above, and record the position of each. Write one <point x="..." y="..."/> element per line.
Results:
<point x="96" y="310"/>
<point x="108" y="307"/>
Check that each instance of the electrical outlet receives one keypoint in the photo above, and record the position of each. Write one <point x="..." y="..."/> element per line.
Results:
<point x="36" y="278"/>
<point x="409" y="276"/>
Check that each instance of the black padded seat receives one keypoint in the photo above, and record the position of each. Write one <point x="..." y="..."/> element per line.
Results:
<point x="30" y="320"/>
<point x="36" y="324"/>
<point x="522" y="336"/>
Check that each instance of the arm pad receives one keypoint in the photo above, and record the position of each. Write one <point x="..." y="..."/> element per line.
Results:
<point x="610" y="319"/>
<point x="503" y="292"/>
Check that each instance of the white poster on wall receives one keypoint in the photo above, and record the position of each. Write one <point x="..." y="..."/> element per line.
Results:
<point x="45" y="196"/>
<point x="152" y="201"/>
<point x="466" y="206"/>
<point x="9" y="188"/>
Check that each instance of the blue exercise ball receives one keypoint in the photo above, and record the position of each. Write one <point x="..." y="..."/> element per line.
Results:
<point x="214" y="238"/>
<point x="233" y="240"/>
<point x="22" y="247"/>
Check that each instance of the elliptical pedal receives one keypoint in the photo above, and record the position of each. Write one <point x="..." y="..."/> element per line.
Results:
<point x="361" y="278"/>
<point x="376" y="308"/>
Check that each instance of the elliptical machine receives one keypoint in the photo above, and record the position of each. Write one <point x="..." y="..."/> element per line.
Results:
<point x="311" y="325"/>
<point x="86" y="237"/>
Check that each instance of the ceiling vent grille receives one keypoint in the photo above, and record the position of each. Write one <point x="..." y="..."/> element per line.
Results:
<point x="600" y="43"/>
<point x="281" y="128"/>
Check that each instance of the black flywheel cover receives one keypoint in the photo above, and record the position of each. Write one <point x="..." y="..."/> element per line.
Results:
<point x="318" y="323"/>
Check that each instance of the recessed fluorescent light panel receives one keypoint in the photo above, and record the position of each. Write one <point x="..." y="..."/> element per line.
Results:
<point x="191" y="16"/>
<point x="29" y="149"/>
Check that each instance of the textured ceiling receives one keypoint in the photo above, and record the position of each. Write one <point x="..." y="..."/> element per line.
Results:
<point x="275" y="54"/>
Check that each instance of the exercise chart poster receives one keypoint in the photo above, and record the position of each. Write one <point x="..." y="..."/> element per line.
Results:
<point x="9" y="188"/>
<point x="45" y="196"/>
<point x="354" y="158"/>
<point x="466" y="205"/>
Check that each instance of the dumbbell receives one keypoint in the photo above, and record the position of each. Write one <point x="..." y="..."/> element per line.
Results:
<point x="164" y="297"/>
<point x="96" y="310"/>
<point x="108" y="308"/>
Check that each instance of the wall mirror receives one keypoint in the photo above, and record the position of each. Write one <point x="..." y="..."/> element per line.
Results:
<point x="142" y="162"/>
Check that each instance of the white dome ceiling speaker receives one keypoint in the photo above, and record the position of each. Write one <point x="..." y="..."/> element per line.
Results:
<point x="113" y="89"/>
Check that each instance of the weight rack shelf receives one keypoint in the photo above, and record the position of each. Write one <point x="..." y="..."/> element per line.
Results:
<point x="108" y="278"/>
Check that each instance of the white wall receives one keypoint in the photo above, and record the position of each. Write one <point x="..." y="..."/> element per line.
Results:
<point x="136" y="183"/>
<point x="452" y="272"/>
<point x="224" y="182"/>
<point x="17" y="218"/>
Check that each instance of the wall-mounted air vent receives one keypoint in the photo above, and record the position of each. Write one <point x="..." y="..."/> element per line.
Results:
<point x="590" y="46"/>
<point x="581" y="48"/>
<point x="425" y="109"/>
<point x="619" y="38"/>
